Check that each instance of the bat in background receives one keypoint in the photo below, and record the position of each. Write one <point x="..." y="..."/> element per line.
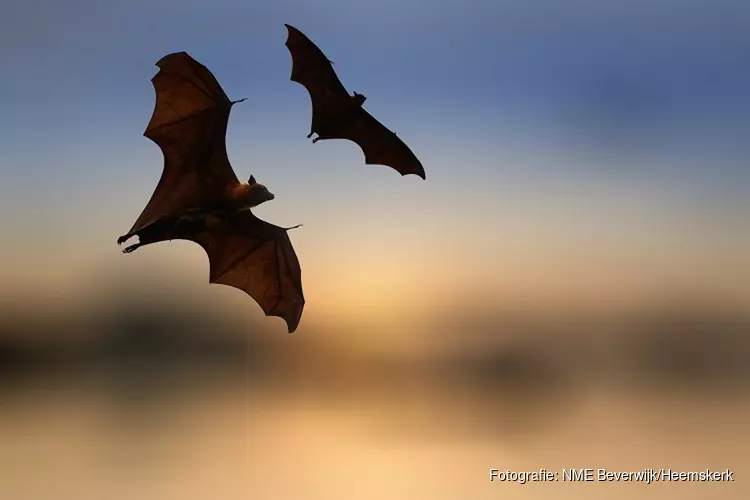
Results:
<point x="338" y="115"/>
<point x="200" y="199"/>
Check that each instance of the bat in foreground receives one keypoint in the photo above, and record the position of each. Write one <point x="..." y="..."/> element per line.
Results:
<point x="338" y="115"/>
<point x="200" y="199"/>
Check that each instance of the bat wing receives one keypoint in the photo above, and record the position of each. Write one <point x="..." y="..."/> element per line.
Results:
<point x="258" y="258"/>
<point x="380" y="145"/>
<point x="334" y="116"/>
<point x="189" y="125"/>
<point x="312" y="69"/>
<point x="244" y="252"/>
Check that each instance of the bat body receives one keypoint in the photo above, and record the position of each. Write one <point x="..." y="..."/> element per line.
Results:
<point x="199" y="198"/>
<point x="338" y="115"/>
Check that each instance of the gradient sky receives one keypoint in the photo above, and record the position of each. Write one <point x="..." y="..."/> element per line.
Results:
<point x="571" y="147"/>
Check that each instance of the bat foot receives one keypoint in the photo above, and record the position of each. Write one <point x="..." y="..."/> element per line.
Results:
<point x="310" y="134"/>
<point x="131" y="248"/>
<point x="122" y="239"/>
<point x="315" y="140"/>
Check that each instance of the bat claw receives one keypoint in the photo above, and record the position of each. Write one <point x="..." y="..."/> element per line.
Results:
<point x="315" y="140"/>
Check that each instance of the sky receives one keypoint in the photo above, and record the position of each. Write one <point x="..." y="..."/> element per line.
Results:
<point x="579" y="149"/>
<point x="582" y="156"/>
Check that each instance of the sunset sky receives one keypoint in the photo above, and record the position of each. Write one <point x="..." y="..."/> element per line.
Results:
<point x="582" y="157"/>
<point x="573" y="149"/>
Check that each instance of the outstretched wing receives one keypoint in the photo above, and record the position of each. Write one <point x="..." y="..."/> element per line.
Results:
<point x="380" y="145"/>
<point x="244" y="252"/>
<point x="257" y="257"/>
<point x="312" y="69"/>
<point x="189" y="124"/>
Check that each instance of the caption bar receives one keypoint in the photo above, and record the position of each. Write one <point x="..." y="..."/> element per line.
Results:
<point x="647" y="476"/>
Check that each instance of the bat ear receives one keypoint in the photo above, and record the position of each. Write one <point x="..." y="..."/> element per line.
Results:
<point x="252" y="180"/>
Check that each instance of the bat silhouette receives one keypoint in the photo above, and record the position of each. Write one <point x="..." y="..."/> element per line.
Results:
<point x="200" y="199"/>
<point x="338" y="115"/>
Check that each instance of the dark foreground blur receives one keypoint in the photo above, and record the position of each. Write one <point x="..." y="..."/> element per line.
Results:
<point x="168" y="397"/>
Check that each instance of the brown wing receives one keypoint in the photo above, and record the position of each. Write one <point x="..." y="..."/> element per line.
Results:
<point x="312" y="69"/>
<point x="379" y="144"/>
<point x="189" y="124"/>
<point x="244" y="252"/>
<point x="258" y="258"/>
<point x="335" y="114"/>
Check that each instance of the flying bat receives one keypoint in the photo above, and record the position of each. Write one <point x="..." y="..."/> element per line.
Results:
<point x="338" y="115"/>
<point x="199" y="198"/>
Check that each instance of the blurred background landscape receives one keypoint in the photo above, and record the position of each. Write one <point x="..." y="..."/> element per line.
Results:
<point x="569" y="288"/>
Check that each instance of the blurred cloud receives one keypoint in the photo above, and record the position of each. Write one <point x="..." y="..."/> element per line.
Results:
<point x="678" y="343"/>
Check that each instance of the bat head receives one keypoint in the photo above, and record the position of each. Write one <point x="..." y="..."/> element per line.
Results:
<point x="256" y="193"/>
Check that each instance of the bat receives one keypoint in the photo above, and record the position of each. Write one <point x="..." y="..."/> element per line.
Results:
<point x="338" y="115"/>
<point x="199" y="198"/>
